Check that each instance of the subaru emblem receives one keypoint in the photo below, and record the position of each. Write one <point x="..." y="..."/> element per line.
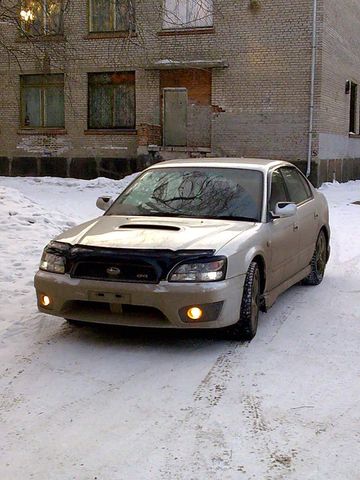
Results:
<point x="113" y="271"/>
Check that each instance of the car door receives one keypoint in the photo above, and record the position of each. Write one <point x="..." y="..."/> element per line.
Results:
<point x="301" y="194"/>
<point x="284" y="235"/>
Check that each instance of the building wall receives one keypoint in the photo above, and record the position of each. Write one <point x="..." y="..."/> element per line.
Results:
<point x="339" y="152"/>
<point x="260" y="103"/>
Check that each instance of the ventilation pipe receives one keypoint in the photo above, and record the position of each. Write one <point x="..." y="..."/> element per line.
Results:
<point x="312" y="92"/>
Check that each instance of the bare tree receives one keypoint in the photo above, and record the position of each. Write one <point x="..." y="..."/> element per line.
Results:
<point x="25" y="28"/>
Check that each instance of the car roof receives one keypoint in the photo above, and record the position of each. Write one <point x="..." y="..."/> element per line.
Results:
<point x="245" y="163"/>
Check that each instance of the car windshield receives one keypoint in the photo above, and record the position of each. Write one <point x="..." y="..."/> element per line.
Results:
<point x="195" y="192"/>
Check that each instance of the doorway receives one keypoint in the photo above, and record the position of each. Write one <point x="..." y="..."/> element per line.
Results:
<point x="175" y="117"/>
<point x="186" y="107"/>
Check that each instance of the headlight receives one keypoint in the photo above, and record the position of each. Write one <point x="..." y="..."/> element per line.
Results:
<point x="207" y="271"/>
<point x="54" y="257"/>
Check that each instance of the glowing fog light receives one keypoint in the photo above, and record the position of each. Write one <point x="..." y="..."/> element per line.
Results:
<point x="194" y="313"/>
<point x="45" y="300"/>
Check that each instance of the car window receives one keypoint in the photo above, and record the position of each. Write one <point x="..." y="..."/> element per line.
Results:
<point x="298" y="190"/>
<point x="306" y="185"/>
<point x="194" y="192"/>
<point x="278" y="190"/>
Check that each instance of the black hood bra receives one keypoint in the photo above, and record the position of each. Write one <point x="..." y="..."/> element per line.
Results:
<point x="128" y="265"/>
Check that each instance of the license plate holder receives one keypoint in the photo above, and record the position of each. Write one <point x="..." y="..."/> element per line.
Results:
<point x="109" y="297"/>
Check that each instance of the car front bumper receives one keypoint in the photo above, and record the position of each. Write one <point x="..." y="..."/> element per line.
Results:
<point x="137" y="304"/>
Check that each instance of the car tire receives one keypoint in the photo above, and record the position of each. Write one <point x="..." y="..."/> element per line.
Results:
<point x="246" y="327"/>
<point x="318" y="262"/>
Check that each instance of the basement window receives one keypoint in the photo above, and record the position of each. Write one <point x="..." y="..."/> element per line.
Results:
<point x="42" y="17"/>
<point x="111" y="16"/>
<point x="187" y="14"/>
<point x="42" y="101"/>
<point x="353" y="127"/>
<point x="111" y="100"/>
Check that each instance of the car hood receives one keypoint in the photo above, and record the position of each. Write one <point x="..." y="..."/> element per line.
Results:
<point x="111" y="231"/>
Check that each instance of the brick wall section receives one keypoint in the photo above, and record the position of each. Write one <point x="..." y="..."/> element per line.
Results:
<point x="339" y="153"/>
<point x="340" y="62"/>
<point x="149" y="134"/>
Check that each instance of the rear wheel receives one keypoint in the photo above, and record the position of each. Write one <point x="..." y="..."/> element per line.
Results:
<point x="246" y="327"/>
<point x="318" y="262"/>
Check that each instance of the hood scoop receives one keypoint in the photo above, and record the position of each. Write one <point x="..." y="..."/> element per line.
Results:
<point x="148" y="226"/>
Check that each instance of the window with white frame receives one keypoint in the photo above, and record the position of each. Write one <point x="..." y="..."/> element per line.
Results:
<point x="187" y="14"/>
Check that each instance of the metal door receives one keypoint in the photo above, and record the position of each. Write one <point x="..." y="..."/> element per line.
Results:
<point x="175" y="117"/>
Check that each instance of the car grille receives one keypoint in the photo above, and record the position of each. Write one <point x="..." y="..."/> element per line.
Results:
<point x="126" y="265"/>
<point x="124" y="271"/>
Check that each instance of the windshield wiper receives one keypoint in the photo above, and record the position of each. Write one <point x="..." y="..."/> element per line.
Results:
<point x="233" y="217"/>
<point x="209" y="217"/>
<point x="161" y="214"/>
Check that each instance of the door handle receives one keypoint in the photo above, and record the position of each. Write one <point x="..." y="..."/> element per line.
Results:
<point x="296" y="227"/>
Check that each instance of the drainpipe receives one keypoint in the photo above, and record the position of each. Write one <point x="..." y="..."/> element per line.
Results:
<point x="312" y="92"/>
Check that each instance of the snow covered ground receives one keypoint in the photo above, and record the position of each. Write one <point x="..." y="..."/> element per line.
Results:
<point x="113" y="404"/>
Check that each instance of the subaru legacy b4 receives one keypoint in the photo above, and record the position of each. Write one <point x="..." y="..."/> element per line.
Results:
<point x="190" y="244"/>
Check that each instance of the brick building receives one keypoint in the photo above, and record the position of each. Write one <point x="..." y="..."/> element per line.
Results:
<point x="105" y="87"/>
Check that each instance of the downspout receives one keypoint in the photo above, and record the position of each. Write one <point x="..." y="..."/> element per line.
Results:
<point x="312" y="92"/>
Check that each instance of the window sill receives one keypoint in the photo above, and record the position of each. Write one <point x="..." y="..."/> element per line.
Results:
<point x="110" y="132"/>
<point x="186" y="31"/>
<point x="104" y="35"/>
<point x="40" y="38"/>
<point x="42" y="131"/>
<point x="354" y="135"/>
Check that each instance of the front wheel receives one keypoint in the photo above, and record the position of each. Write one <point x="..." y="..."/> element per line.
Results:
<point x="246" y="327"/>
<point x="318" y="262"/>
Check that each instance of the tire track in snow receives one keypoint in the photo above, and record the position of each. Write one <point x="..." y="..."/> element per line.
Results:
<point x="213" y="386"/>
<point x="209" y="452"/>
<point x="281" y="319"/>
<point x="277" y="463"/>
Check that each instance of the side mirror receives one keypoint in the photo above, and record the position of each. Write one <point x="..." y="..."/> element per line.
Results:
<point x="104" y="202"/>
<point x="285" y="210"/>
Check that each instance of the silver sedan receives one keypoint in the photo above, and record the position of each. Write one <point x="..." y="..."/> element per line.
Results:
<point x="190" y="244"/>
